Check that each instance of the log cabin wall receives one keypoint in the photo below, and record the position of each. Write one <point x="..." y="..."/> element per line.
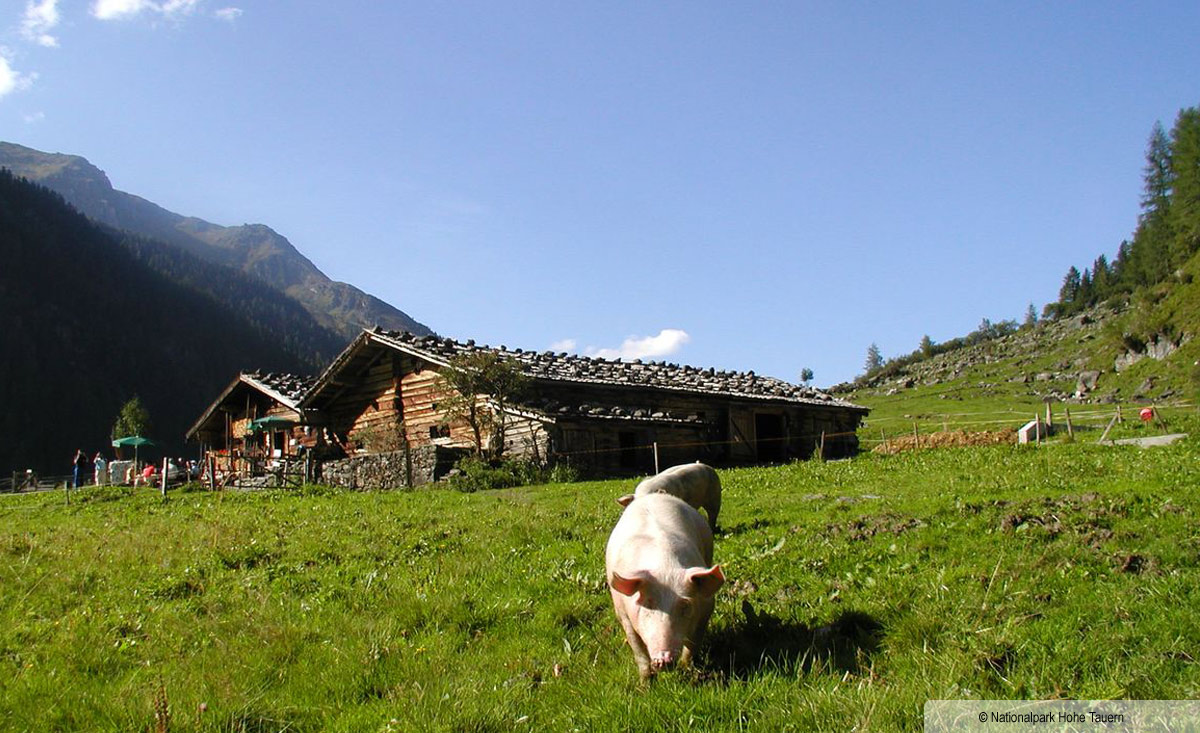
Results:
<point x="394" y="392"/>
<point x="527" y="438"/>
<point x="425" y="394"/>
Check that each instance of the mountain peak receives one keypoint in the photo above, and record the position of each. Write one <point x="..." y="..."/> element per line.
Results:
<point x="256" y="249"/>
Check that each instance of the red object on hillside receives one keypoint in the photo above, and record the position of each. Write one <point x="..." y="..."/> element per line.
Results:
<point x="1147" y="414"/>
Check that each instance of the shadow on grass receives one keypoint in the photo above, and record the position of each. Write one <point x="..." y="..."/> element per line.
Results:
<point x="741" y="528"/>
<point x="760" y="642"/>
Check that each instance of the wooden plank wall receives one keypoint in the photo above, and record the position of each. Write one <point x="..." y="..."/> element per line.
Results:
<point x="424" y="394"/>
<point x="375" y="427"/>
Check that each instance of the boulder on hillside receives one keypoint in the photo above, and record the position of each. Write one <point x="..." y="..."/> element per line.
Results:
<point x="1086" y="382"/>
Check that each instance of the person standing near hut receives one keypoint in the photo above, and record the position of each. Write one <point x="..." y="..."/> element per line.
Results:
<point x="101" y="469"/>
<point x="81" y="464"/>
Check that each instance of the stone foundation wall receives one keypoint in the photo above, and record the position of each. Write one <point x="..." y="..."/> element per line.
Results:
<point x="402" y="469"/>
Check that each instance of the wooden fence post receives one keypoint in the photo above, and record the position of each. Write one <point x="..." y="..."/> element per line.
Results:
<point x="1112" y="422"/>
<point x="821" y="449"/>
<point x="163" y="482"/>
<point x="916" y="436"/>
<point x="656" y="471"/>
<point x="1070" y="429"/>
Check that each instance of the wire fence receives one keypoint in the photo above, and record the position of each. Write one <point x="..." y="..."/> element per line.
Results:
<point x="27" y="481"/>
<point x="1082" y="417"/>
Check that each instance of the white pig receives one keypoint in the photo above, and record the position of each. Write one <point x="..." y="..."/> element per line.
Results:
<point x="660" y="573"/>
<point x="695" y="483"/>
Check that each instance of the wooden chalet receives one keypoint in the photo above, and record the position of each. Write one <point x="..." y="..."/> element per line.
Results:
<point x="256" y="424"/>
<point x="385" y="392"/>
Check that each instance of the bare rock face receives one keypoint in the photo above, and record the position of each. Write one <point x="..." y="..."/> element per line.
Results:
<point x="1158" y="349"/>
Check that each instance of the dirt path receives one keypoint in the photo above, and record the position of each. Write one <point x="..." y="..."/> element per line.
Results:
<point x="1147" y="442"/>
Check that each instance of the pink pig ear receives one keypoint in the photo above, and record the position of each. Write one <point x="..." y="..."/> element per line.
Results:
<point x="625" y="586"/>
<point x="707" y="581"/>
<point x="625" y="500"/>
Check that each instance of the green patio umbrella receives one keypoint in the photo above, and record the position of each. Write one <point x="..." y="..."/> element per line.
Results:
<point x="134" y="441"/>
<point x="273" y="422"/>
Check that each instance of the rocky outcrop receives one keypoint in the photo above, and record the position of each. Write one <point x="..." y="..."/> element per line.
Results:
<point x="1158" y="349"/>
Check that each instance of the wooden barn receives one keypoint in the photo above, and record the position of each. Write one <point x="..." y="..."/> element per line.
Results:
<point x="256" y="423"/>
<point x="385" y="392"/>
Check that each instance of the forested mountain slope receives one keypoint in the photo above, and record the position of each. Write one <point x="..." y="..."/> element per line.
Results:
<point x="90" y="318"/>
<point x="252" y="248"/>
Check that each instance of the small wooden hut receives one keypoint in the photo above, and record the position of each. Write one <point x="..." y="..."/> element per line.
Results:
<point x="256" y="424"/>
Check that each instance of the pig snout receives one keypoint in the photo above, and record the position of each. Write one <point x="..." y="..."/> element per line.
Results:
<point x="663" y="660"/>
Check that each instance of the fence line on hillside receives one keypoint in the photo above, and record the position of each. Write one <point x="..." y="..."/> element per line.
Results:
<point x="893" y="429"/>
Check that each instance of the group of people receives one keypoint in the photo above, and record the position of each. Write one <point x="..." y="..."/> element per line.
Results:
<point x="177" y="470"/>
<point x="81" y="465"/>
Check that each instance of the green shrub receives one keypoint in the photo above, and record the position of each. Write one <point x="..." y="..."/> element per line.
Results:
<point x="475" y="474"/>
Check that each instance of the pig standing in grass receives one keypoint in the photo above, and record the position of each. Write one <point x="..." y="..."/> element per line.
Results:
<point x="660" y="573"/>
<point x="695" y="483"/>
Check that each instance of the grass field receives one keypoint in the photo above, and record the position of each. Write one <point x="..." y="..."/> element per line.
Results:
<point x="857" y="590"/>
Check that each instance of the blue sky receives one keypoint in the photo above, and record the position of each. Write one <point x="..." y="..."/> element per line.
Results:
<point x="766" y="186"/>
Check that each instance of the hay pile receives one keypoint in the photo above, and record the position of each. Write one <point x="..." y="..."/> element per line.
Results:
<point x="951" y="438"/>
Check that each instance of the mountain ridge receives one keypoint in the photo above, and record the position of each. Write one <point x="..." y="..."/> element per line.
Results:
<point x="256" y="249"/>
<point x="91" y="316"/>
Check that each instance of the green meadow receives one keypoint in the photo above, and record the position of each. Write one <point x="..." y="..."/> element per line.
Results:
<point x="856" y="591"/>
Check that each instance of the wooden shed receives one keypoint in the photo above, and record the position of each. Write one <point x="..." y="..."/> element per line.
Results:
<point x="256" y="423"/>
<point x="385" y="392"/>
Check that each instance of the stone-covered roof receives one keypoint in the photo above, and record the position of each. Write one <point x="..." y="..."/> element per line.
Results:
<point x="290" y="387"/>
<point x="287" y="389"/>
<point x="564" y="367"/>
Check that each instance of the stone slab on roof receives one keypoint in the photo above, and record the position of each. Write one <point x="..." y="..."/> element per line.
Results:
<point x="291" y="387"/>
<point x="564" y="367"/>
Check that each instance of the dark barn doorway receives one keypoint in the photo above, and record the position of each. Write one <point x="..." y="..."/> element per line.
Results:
<point x="769" y="437"/>
<point x="628" y="442"/>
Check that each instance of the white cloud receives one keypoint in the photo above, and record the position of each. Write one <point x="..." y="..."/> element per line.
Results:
<point x="667" y="342"/>
<point x="229" y="14"/>
<point x="178" y="7"/>
<point x="40" y="18"/>
<point x="114" y="9"/>
<point x="34" y="118"/>
<point x="10" y="79"/>
<point x="564" y="345"/>
<point x="118" y="9"/>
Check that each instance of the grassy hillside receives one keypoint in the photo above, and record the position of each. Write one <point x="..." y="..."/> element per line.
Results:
<point x="1001" y="383"/>
<point x="857" y="590"/>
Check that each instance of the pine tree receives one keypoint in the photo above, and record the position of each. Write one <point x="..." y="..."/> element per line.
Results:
<point x="874" y="358"/>
<point x="1122" y="273"/>
<point x="926" y="346"/>
<point x="1031" y="315"/>
<point x="1101" y="279"/>
<point x="1085" y="296"/>
<point x="1152" y="241"/>
<point x="1184" y="212"/>
<point x="1070" y="288"/>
